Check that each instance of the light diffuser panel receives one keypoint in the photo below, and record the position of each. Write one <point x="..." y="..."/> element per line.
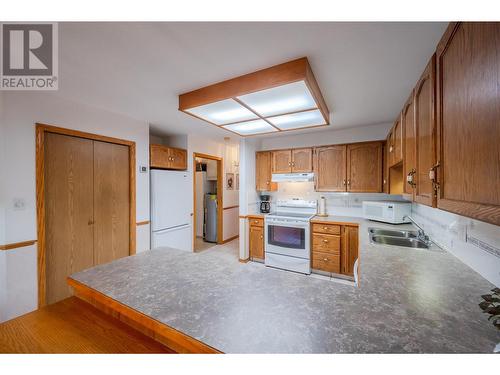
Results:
<point x="222" y="112"/>
<point x="298" y="120"/>
<point x="251" y="127"/>
<point x="279" y="100"/>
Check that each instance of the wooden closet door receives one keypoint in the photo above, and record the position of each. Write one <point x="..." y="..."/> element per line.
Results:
<point x="68" y="182"/>
<point x="111" y="202"/>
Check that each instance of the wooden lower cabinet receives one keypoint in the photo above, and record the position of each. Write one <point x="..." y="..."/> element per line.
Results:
<point x="256" y="238"/>
<point x="349" y="249"/>
<point x="334" y="248"/>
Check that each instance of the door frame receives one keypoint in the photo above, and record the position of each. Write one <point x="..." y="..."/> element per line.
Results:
<point x="220" y="193"/>
<point x="40" y="130"/>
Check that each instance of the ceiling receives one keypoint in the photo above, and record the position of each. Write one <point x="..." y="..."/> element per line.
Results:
<point x="365" y="70"/>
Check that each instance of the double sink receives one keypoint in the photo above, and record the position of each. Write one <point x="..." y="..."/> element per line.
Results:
<point x="404" y="238"/>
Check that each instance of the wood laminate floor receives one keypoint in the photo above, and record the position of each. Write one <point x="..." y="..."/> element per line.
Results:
<point x="73" y="326"/>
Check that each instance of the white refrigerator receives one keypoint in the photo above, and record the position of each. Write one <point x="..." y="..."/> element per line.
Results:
<point x="171" y="210"/>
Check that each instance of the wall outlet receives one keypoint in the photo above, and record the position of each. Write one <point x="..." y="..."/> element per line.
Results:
<point x="143" y="169"/>
<point x="18" y="204"/>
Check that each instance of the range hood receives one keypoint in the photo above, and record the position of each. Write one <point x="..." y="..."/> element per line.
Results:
<point x="292" y="177"/>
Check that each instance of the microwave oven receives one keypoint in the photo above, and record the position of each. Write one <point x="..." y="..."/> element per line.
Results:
<point x="393" y="212"/>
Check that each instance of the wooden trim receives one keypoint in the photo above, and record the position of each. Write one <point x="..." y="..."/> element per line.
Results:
<point x="220" y="192"/>
<point x="166" y="335"/>
<point x="244" y="260"/>
<point x="139" y="223"/>
<point x="230" y="207"/>
<point x="16" y="245"/>
<point x="330" y="222"/>
<point x="230" y="239"/>
<point x="242" y="216"/>
<point x="40" y="130"/>
<point x="278" y="75"/>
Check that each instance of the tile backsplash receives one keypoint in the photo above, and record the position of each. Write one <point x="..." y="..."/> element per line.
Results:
<point x="474" y="242"/>
<point x="348" y="204"/>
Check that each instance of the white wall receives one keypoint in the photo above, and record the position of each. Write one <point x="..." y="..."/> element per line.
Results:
<point x="327" y="137"/>
<point x="21" y="110"/>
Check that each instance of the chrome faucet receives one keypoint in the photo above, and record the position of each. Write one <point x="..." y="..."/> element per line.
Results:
<point x="421" y="233"/>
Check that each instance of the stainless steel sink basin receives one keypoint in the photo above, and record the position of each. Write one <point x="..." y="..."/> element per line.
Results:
<point x="398" y="241"/>
<point x="392" y="233"/>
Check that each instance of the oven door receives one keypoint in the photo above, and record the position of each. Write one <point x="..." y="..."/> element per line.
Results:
<point x="288" y="239"/>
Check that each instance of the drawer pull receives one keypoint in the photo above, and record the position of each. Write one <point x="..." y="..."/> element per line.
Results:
<point x="261" y="237"/>
<point x="325" y="228"/>
<point x="325" y="259"/>
<point x="256" y="221"/>
<point x="325" y="241"/>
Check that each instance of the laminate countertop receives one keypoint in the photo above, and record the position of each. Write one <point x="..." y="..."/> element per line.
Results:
<point x="407" y="301"/>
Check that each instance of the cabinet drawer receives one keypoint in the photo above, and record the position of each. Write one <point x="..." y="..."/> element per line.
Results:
<point x="256" y="222"/>
<point x="326" y="228"/>
<point x="326" y="243"/>
<point x="326" y="262"/>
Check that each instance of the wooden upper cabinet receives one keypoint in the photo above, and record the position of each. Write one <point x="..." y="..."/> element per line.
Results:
<point x="282" y="161"/>
<point x="330" y="164"/>
<point x="425" y="133"/>
<point x="364" y="167"/>
<point x="409" y="151"/>
<point x="292" y="161"/>
<point x="397" y="135"/>
<point x="263" y="172"/>
<point x="302" y="160"/>
<point x="167" y="157"/>
<point x="468" y="64"/>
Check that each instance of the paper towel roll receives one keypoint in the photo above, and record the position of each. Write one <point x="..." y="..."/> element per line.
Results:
<point x="322" y="206"/>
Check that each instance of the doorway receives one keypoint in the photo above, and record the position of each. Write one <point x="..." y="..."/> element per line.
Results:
<point x="207" y="202"/>
<point x="85" y="205"/>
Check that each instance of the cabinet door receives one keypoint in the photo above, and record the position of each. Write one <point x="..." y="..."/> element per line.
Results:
<point x="349" y="250"/>
<point x="177" y="158"/>
<point x="364" y="167"/>
<point x="425" y="135"/>
<point x="385" y="177"/>
<point x="330" y="168"/>
<point x="398" y="142"/>
<point x="158" y="156"/>
<point x="263" y="172"/>
<point x="256" y="242"/>
<point x="409" y="162"/>
<point x="469" y="120"/>
<point x="390" y="148"/>
<point x="302" y="160"/>
<point x="282" y="161"/>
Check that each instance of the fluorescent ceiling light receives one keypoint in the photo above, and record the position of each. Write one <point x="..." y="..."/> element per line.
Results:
<point x="251" y="127"/>
<point x="298" y="120"/>
<point x="222" y="112"/>
<point x="279" y="100"/>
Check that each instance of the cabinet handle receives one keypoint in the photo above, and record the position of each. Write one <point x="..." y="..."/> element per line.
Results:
<point x="256" y="221"/>
<point x="348" y="182"/>
<point x="261" y="237"/>
<point x="267" y="182"/>
<point x="343" y="181"/>
<point x="289" y="164"/>
<point x="325" y="241"/>
<point x="325" y="259"/>
<point x="390" y="149"/>
<point x="90" y="222"/>
<point x="409" y="178"/>
<point x="325" y="228"/>
<point x="293" y="164"/>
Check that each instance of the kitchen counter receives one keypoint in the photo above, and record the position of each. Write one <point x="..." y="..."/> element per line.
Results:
<point x="408" y="301"/>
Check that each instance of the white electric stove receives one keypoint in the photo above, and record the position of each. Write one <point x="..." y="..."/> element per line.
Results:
<point x="287" y="243"/>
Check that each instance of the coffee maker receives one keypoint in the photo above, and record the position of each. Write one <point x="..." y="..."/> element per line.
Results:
<point x="265" y="204"/>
